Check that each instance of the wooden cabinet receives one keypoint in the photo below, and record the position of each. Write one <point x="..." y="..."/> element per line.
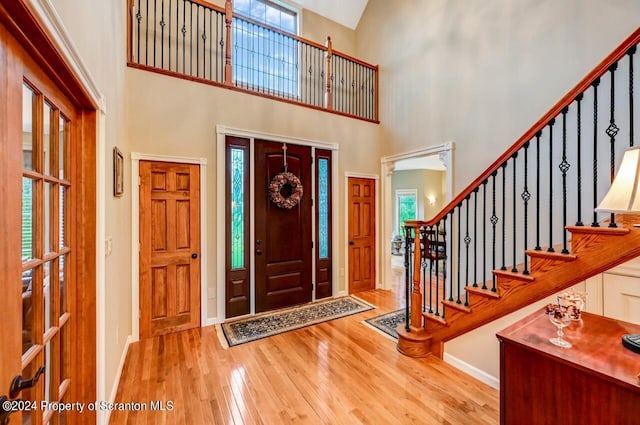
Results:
<point x="594" y="382"/>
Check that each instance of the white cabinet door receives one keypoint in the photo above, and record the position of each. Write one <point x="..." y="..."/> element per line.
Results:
<point x="622" y="297"/>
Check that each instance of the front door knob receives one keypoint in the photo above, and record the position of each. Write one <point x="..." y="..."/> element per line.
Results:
<point x="18" y="384"/>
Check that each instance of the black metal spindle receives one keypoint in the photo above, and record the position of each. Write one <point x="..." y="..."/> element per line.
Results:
<point x="494" y="221"/>
<point x="467" y="241"/>
<point x="612" y="131"/>
<point x="425" y="253"/>
<point x="564" y="168"/>
<point x="514" y="269"/>
<point x="631" y="52"/>
<point x="146" y="32"/>
<point x="138" y="19"/>
<point x="407" y="275"/>
<point x="579" y="136"/>
<point x="538" y="134"/>
<point x="162" y="25"/>
<point x="459" y="265"/>
<point x="451" y="251"/>
<point x="438" y="268"/>
<point x="191" y="39"/>
<point x="475" y="238"/>
<point x="184" y="36"/>
<point x="155" y="37"/>
<point x="595" y="85"/>
<point x="526" y="196"/>
<point x="484" y="234"/>
<point x="504" y="216"/>
<point x="197" y="40"/>
<point x="433" y="250"/>
<point x="551" y="123"/>
<point x="169" y="37"/>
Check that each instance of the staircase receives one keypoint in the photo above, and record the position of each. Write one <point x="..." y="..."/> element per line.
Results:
<point x="540" y="189"/>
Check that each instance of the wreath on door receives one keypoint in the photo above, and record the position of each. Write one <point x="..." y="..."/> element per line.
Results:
<point x="285" y="180"/>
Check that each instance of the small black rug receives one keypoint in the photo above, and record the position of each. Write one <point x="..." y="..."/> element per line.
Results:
<point x="257" y="327"/>
<point x="387" y="323"/>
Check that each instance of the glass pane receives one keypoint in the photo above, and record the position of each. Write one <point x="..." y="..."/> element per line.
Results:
<point x="62" y="294"/>
<point x="273" y="17"/>
<point x="48" y="386"/>
<point x="323" y="207"/>
<point x="48" y="196"/>
<point x="47" y="290"/>
<point x="241" y="6"/>
<point x="64" y="352"/>
<point x="28" y="218"/>
<point x="46" y="139"/>
<point x="28" y="334"/>
<point x="237" y="208"/>
<point x="288" y="22"/>
<point x="29" y="394"/>
<point x="406" y="209"/>
<point x="62" y="218"/>
<point x="62" y="145"/>
<point x="27" y="126"/>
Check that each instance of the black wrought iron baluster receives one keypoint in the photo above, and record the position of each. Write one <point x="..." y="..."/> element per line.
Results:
<point x="631" y="52"/>
<point x="467" y="241"/>
<point x="138" y="19"/>
<point x="595" y="85"/>
<point x="162" y="25"/>
<point x="538" y="134"/>
<point x="169" y="37"/>
<point x="526" y="196"/>
<point x="459" y="263"/>
<point x="475" y="240"/>
<point x="155" y="37"/>
<point x="184" y="37"/>
<point x="494" y="221"/>
<point x="579" y="136"/>
<point x="177" y="36"/>
<point x="484" y="234"/>
<point x="504" y="216"/>
<point x="146" y="31"/>
<point x="197" y="40"/>
<point x="612" y="131"/>
<point x="551" y="123"/>
<point x="438" y="267"/>
<point x="190" y="38"/>
<point x="451" y="250"/>
<point x="564" y="168"/>
<point x="514" y="269"/>
<point x="449" y="256"/>
<point x="407" y="274"/>
<point x="433" y="250"/>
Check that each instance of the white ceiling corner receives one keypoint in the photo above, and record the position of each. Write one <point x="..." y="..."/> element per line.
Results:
<point x="344" y="12"/>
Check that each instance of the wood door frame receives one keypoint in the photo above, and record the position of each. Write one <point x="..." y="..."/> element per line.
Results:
<point x="136" y="157"/>
<point x="37" y="26"/>
<point x="222" y="131"/>
<point x="387" y="163"/>
<point x="376" y="244"/>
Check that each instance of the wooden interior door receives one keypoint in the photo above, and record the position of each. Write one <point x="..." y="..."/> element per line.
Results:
<point x="48" y="212"/>
<point x="169" y="247"/>
<point x="283" y="242"/>
<point x="362" y="234"/>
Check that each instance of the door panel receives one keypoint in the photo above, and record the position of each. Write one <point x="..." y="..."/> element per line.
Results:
<point x="361" y="234"/>
<point x="323" y="223"/>
<point x="169" y="241"/>
<point x="282" y="236"/>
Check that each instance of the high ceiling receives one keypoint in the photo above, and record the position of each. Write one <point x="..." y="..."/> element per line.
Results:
<point x="345" y="12"/>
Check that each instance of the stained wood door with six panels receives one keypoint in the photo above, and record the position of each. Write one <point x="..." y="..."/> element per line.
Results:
<point x="362" y="234"/>
<point x="169" y="247"/>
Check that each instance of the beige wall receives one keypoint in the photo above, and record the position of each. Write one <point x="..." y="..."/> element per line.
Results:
<point x="178" y="118"/>
<point x="98" y="30"/>
<point x="481" y="73"/>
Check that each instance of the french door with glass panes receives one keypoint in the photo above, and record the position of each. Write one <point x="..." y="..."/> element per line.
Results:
<point x="47" y="242"/>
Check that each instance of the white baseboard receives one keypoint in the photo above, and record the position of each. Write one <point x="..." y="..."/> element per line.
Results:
<point x="211" y="321"/>
<point x="340" y="294"/>
<point x="116" y="381"/>
<point x="480" y="375"/>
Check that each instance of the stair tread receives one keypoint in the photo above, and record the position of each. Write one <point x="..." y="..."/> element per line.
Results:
<point x="613" y="231"/>
<point x="550" y="255"/>
<point x="434" y="318"/>
<point x="483" y="292"/>
<point x="454" y="305"/>
<point x="514" y="275"/>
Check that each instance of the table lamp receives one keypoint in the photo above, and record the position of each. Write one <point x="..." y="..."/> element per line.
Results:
<point x="624" y="197"/>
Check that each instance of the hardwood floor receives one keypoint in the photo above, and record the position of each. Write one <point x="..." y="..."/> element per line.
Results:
<point x="338" y="372"/>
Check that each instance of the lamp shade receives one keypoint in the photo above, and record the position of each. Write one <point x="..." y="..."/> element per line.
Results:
<point x="624" y="193"/>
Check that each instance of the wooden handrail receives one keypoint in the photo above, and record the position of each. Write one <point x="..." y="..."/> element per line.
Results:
<point x="564" y="102"/>
<point x="352" y="59"/>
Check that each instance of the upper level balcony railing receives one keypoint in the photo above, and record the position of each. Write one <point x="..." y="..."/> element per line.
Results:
<point x="199" y="41"/>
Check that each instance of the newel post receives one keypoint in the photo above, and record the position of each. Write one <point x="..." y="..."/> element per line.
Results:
<point x="328" y="102"/>
<point x="416" y="294"/>
<point x="228" y="18"/>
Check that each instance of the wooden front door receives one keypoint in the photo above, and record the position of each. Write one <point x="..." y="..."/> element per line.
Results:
<point x="169" y="247"/>
<point x="283" y="237"/>
<point x="47" y="234"/>
<point x="362" y="234"/>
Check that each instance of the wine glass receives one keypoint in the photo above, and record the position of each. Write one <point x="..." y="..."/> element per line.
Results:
<point x="575" y="301"/>
<point x="560" y="316"/>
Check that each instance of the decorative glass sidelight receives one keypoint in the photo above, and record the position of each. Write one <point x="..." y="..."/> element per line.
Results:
<point x="323" y="208"/>
<point x="237" y="208"/>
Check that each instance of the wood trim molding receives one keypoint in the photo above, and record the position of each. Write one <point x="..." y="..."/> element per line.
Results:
<point x="255" y="134"/>
<point x="136" y="157"/>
